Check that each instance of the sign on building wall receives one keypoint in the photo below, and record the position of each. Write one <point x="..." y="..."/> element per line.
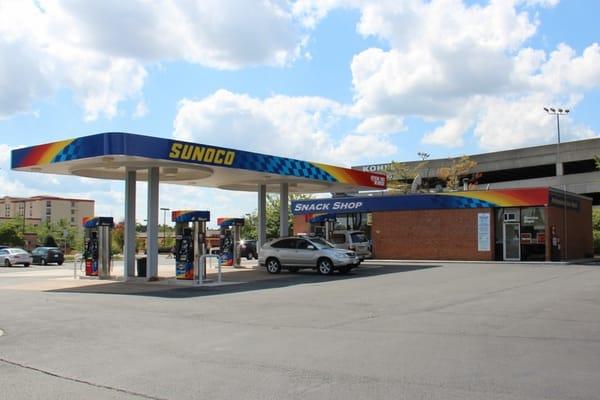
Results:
<point x="483" y="232"/>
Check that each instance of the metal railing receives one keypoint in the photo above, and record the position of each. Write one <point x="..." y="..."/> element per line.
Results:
<point x="201" y="272"/>
<point x="78" y="260"/>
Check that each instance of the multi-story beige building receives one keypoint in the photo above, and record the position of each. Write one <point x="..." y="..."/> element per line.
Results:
<point x="45" y="209"/>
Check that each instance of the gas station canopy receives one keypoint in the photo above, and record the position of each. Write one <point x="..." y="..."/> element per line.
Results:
<point x="111" y="155"/>
<point x="130" y="157"/>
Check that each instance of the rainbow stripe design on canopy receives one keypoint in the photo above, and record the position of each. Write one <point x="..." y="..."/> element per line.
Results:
<point x="507" y="197"/>
<point x="153" y="148"/>
<point x="44" y="154"/>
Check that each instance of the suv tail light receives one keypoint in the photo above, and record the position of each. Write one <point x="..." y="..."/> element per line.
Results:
<point x="351" y="247"/>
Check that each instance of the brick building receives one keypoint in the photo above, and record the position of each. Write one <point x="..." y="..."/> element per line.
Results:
<point x="532" y="224"/>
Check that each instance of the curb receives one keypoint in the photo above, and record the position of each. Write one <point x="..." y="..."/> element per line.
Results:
<point x="570" y="262"/>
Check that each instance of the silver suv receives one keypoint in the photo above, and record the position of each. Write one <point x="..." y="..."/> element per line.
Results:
<point x="352" y="240"/>
<point x="294" y="253"/>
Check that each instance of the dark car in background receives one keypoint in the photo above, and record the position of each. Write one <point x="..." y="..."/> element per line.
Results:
<point x="248" y="249"/>
<point x="48" y="255"/>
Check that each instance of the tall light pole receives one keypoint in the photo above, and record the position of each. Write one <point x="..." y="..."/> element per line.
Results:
<point x="558" y="112"/>
<point x="164" y="210"/>
<point x="559" y="170"/>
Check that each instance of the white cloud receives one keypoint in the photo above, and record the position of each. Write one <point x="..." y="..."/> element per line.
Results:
<point x="296" y="127"/>
<point x="140" y="109"/>
<point x="523" y="122"/>
<point x="450" y="134"/>
<point x="442" y="53"/>
<point x="100" y="50"/>
<point x="461" y="66"/>
<point x="381" y="124"/>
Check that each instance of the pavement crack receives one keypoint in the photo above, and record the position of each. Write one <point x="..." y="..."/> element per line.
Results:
<point x="81" y="381"/>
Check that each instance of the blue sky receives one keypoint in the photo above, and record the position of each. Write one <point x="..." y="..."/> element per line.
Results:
<point x="346" y="82"/>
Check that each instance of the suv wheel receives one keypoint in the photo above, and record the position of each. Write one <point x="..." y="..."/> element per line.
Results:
<point x="44" y="262"/>
<point x="249" y="256"/>
<point x="273" y="266"/>
<point x="7" y="263"/>
<point x="325" y="266"/>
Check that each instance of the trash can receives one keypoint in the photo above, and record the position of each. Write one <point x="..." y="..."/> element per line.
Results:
<point x="141" y="266"/>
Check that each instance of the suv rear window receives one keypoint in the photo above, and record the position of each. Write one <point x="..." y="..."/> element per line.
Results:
<point x="285" y="244"/>
<point x="338" y="238"/>
<point x="358" y="237"/>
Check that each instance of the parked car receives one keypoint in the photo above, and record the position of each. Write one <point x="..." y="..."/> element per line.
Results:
<point x="248" y="249"/>
<point x="352" y="240"/>
<point x="47" y="255"/>
<point x="294" y="253"/>
<point x="12" y="256"/>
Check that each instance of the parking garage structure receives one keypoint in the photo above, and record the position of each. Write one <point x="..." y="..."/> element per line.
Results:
<point x="132" y="158"/>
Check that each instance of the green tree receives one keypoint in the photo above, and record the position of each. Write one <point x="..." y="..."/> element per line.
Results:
<point x="49" y="241"/>
<point x="400" y="175"/>
<point x="596" y="229"/>
<point x="118" y="236"/>
<point x="11" y="233"/>
<point x="250" y="229"/>
<point x="61" y="232"/>
<point x="458" y="169"/>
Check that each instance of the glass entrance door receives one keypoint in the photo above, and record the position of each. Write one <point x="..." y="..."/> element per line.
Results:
<point x="512" y="241"/>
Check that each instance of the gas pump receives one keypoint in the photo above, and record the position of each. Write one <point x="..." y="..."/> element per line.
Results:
<point x="230" y="240"/>
<point x="97" y="239"/>
<point x="326" y="225"/>
<point x="329" y="227"/>
<point x="190" y="242"/>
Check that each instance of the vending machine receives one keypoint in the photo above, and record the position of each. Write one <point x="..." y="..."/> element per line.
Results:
<point x="190" y="244"/>
<point x="97" y="242"/>
<point x="230" y="240"/>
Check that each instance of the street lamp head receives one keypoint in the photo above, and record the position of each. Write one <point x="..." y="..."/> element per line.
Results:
<point x="566" y="111"/>
<point x="552" y="109"/>
<point x="546" y="109"/>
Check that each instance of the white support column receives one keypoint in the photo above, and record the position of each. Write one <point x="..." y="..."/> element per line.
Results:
<point x="152" y="227"/>
<point x="129" y="248"/>
<point x="262" y="215"/>
<point x="283" y="210"/>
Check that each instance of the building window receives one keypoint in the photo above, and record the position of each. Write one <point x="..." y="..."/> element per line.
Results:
<point x="72" y="204"/>
<point x="72" y="212"/>
<point x="72" y="220"/>
<point x="48" y="203"/>
<point x="48" y="211"/>
<point x="48" y="219"/>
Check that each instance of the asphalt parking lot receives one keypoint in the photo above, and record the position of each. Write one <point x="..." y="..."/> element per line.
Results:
<point x="406" y="331"/>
